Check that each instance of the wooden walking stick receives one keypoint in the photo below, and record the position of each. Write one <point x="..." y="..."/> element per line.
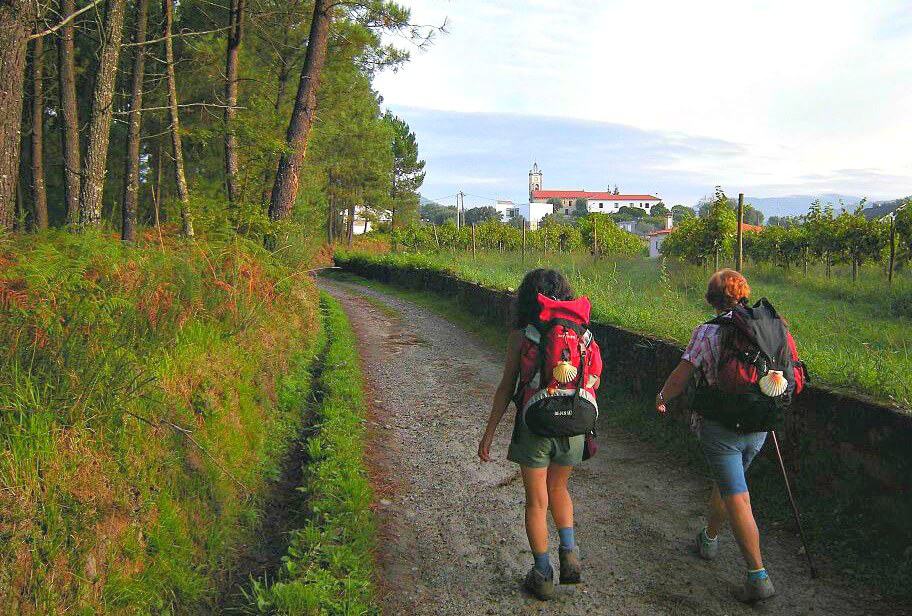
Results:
<point x="788" y="489"/>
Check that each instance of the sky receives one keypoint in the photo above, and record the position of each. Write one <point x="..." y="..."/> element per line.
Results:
<point x="770" y="98"/>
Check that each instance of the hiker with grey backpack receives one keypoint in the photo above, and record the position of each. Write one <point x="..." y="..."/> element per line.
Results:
<point x="747" y="371"/>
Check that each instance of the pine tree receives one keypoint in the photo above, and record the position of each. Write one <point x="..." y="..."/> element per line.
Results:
<point x="408" y="172"/>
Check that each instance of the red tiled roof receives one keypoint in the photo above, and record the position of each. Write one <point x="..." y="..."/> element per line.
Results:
<point x="583" y="194"/>
<point x="747" y="227"/>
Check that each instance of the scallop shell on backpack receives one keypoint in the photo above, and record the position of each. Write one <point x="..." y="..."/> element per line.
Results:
<point x="773" y="383"/>
<point x="564" y="372"/>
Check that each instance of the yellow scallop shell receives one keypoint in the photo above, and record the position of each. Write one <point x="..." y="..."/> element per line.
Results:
<point x="773" y="384"/>
<point x="564" y="372"/>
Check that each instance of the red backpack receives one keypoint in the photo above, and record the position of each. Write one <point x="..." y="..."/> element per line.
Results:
<point x="759" y="372"/>
<point x="560" y="369"/>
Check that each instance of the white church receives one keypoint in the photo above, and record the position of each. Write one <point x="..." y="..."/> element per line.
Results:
<point x="542" y="201"/>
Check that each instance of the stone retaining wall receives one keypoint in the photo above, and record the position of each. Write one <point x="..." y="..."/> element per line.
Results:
<point x="853" y="433"/>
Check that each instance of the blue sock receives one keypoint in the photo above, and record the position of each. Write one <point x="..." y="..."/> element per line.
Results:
<point x="759" y="574"/>
<point x="567" y="538"/>
<point x="543" y="564"/>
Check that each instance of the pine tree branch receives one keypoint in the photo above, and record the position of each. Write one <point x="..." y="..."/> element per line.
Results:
<point x="178" y="35"/>
<point x="65" y="21"/>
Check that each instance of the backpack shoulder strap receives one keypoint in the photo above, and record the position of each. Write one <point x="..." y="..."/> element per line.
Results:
<point x="579" y="328"/>
<point x="532" y="334"/>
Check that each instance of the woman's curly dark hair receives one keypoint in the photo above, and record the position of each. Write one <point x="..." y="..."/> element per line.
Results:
<point x="548" y="282"/>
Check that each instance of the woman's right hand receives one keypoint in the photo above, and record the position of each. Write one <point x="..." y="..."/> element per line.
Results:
<point x="484" y="447"/>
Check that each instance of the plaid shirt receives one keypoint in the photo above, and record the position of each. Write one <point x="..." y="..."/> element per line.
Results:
<point x="703" y="351"/>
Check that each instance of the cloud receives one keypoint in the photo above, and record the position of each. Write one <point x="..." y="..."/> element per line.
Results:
<point x="779" y="90"/>
<point x="488" y="155"/>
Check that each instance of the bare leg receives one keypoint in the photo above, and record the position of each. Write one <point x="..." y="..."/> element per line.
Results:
<point x="559" y="497"/>
<point x="535" y="481"/>
<point x="718" y="516"/>
<point x="744" y="527"/>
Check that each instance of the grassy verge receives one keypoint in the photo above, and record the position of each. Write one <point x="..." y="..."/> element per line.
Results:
<point x="860" y="530"/>
<point x="857" y="337"/>
<point x="328" y="568"/>
<point x="143" y="410"/>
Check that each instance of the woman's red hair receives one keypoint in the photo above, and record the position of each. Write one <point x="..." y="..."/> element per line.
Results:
<point x="726" y="288"/>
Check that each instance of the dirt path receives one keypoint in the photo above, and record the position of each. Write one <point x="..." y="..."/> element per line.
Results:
<point x="453" y="539"/>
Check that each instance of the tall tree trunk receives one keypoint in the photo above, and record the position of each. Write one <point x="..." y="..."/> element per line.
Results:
<point x="17" y="17"/>
<point x="19" y="207"/>
<point x="130" y="203"/>
<point x="283" y="72"/>
<point x="177" y="148"/>
<point x="95" y="164"/>
<point x="66" y="71"/>
<point x="285" y="189"/>
<point x="350" y="231"/>
<point x="330" y="222"/>
<point x="235" y="32"/>
<point x="157" y="188"/>
<point x="39" y="190"/>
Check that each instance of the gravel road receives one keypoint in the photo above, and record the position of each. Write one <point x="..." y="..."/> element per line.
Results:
<point x="452" y="538"/>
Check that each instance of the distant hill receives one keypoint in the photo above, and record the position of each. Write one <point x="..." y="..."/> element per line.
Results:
<point x="879" y="209"/>
<point x="794" y="205"/>
<point x="422" y="200"/>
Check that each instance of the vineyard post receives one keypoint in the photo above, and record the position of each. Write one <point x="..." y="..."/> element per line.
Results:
<point x="739" y="264"/>
<point x="524" y="241"/>
<point x="436" y="239"/>
<point x="595" y="237"/>
<point x="473" y="240"/>
<point x="892" y="249"/>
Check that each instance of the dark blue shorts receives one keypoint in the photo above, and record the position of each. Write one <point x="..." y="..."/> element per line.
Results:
<point x="729" y="454"/>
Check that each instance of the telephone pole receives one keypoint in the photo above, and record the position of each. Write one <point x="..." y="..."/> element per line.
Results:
<point x="739" y="257"/>
<point x="460" y="209"/>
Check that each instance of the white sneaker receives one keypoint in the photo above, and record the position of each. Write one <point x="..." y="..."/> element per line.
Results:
<point x="708" y="548"/>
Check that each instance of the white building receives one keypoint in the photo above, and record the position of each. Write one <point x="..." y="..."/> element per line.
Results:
<point x="657" y="237"/>
<point x="506" y="208"/>
<point x="606" y="203"/>
<point x="363" y="224"/>
<point x="534" y="212"/>
<point x="602" y="202"/>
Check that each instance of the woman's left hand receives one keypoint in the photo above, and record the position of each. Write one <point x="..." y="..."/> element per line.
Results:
<point x="660" y="404"/>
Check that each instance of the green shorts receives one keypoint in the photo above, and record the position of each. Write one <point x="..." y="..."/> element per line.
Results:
<point x="534" y="451"/>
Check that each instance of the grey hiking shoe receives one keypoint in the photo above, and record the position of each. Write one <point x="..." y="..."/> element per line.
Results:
<point x="570" y="567"/>
<point x="539" y="585"/>
<point x="755" y="590"/>
<point x="708" y="548"/>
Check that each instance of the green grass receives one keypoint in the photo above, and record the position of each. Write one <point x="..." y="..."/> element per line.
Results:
<point x="143" y="409"/>
<point x="329" y="566"/>
<point x="856" y="337"/>
<point x="861" y="531"/>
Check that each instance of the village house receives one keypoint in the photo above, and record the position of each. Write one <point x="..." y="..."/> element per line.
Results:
<point x="601" y="202"/>
<point x="656" y="238"/>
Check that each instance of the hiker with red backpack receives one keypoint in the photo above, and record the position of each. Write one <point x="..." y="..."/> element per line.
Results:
<point x="748" y="372"/>
<point x="552" y="370"/>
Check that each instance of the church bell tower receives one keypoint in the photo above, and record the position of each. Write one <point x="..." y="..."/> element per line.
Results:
<point x="535" y="180"/>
